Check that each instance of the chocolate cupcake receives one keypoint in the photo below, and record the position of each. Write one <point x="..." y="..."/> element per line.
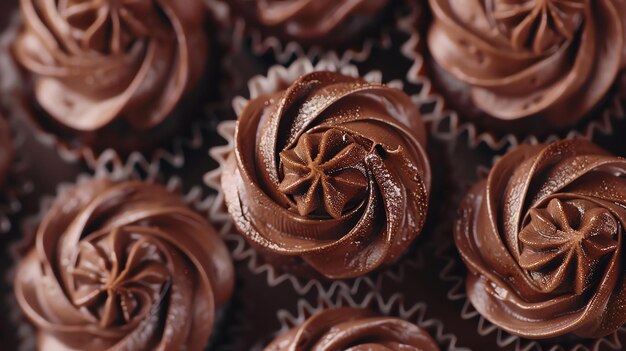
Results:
<point x="527" y="68"/>
<point x="123" y="265"/>
<point x="354" y="328"/>
<point x="542" y="240"/>
<point x="330" y="174"/>
<point x="112" y="74"/>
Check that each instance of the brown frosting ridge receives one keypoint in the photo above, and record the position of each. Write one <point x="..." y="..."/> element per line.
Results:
<point x="6" y="149"/>
<point x="95" y="62"/>
<point x="354" y="329"/>
<point x="332" y="170"/>
<point x="553" y="59"/>
<point x="123" y="266"/>
<point x="542" y="239"/>
<point x="310" y="22"/>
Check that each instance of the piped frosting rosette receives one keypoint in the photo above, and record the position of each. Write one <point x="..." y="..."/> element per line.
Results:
<point x="542" y="239"/>
<point x="96" y="62"/>
<point x="123" y="265"/>
<point x="331" y="170"/>
<point x="504" y="73"/>
<point x="531" y="58"/>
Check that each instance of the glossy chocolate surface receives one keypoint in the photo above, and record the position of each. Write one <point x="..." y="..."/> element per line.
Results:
<point x="331" y="170"/>
<point x="552" y="60"/>
<point x="123" y="266"/>
<point x="542" y="239"/>
<point x="96" y="62"/>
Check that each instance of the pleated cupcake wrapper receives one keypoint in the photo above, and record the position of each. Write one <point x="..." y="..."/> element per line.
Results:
<point x="285" y="52"/>
<point x="446" y="124"/>
<point x="277" y="77"/>
<point x="393" y="305"/>
<point x="112" y="168"/>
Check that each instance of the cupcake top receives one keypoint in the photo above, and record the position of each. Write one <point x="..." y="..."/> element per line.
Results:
<point x="542" y="239"/>
<point x="331" y="170"/>
<point x="555" y="59"/>
<point x="310" y="22"/>
<point x="95" y="62"/>
<point x="6" y="149"/>
<point x="353" y="329"/>
<point x="123" y="266"/>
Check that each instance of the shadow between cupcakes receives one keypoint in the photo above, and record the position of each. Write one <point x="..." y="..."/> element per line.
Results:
<point x="14" y="183"/>
<point x="277" y="78"/>
<point x="273" y="43"/>
<point x="452" y="106"/>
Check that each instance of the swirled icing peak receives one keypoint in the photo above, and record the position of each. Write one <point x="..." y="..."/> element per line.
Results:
<point x="332" y="170"/>
<point x="554" y="60"/>
<point x="538" y="25"/>
<point x="324" y="172"/>
<point x="542" y="237"/>
<point x="107" y="26"/>
<point x="563" y="243"/>
<point x="123" y="266"/>
<point x="95" y="62"/>
<point x="354" y="329"/>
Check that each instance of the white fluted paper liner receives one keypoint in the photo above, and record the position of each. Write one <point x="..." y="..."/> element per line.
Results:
<point x="285" y="52"/>
<point x="447" y="125"/>
<point x="108" y="167"/>
<point x="393" y="305"/>
<point x="278" y="77"/>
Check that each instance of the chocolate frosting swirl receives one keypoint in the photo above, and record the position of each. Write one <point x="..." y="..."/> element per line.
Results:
<point x="554" y="59"/>
<point x="542" y="239"/>
<point x="331" y="170"/>
<point x="6" y="149"/>
<point x="123" y="266"/>
<point x="310" y="21"/>
<point x="354" y="329"/>
<point x="95" y="61"/>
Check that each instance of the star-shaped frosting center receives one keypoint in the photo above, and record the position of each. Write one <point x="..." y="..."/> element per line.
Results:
<point x="324" y="173"/>
<point x="563" y="244"/>
<point x="538" y="25"/>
